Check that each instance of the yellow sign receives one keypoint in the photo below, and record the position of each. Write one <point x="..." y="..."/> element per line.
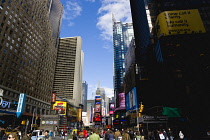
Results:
<point x="179" y="22"/>
<point x="60" y="106"/>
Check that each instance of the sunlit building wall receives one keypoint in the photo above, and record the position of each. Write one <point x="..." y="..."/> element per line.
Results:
<point x="68" y="72"/>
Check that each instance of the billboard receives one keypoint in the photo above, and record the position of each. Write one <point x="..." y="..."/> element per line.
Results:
<point x="60" y="106"/>
<point x="97" y="117"/>
<point x="111" y="108"/>
<point x="131" y="100"/>
<point x="179" y="22"/>
<point x="121" y="99"/>
<point x="98" y="108"/>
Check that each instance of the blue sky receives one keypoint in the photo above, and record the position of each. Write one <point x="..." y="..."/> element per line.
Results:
<point x="92" y="20"/>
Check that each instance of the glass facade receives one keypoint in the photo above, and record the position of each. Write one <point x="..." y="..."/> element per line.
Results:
<point x="122" y="36"/>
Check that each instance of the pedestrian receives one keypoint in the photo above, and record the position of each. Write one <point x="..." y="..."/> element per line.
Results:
<point x="138" y="136"/>
<point x="75" y="137"/>
<point x="131" y="134"/>
<point x="181" y="135"/>
<point x="142" y="133"/>
<point x="12" y="136"/>
<point x="165" y="134"/>
<point x="107" y="134"/>
<point x="27" y="136"/>
<point x="94" y="136"/>
<point x="125" y="136"/>
<point x="170" y="134"/>
<point x="47" y="136"/>
<point x="117" y="134"/>
<point x="111" y="136"/>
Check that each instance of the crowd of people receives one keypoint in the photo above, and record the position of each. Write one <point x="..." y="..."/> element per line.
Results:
<point x="107" y="134"/>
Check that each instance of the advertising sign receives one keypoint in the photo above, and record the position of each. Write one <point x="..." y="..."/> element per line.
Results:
<point x="131" y="100"/>
<point x="111" y="108"/>
<point x="60" y="106"/>
<point x="21" y="104"/>
<point x="98" y="108"/>
<point x="179" y="22"/>
<point x="121" y="99"/>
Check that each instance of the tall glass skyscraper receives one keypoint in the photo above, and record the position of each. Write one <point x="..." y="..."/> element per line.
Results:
<point x="122" y="35"/>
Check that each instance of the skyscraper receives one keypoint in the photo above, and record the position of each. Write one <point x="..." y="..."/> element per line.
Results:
<point x="84" y="95"/>
<point x="28" y="52"/>
<point x="122" y="35"/>
<point x="68" y="72"/>
<point x="180" y="70"/>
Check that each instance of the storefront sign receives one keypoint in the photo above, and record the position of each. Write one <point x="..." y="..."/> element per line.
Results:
<point x="21" y="104"/>
<point x="4" y="104"/>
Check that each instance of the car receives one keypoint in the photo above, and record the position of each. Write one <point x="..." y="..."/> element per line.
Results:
<point x="37" y="135"/>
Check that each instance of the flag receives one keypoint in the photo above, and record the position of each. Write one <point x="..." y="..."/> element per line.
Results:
<point x="171" y="112"/>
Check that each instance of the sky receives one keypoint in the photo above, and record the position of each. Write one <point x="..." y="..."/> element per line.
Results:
<point x="92" y="20"/>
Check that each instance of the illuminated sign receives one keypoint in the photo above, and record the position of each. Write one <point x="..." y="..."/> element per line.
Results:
<point x="21" y="104"/>
<point x="121" y="99"/>
<point x="179" y="22"/>
<point x="111" y="108"/>
<point x="98" y="108"/>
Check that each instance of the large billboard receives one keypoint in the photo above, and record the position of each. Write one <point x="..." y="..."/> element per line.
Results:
<point x="179" y="22"/>
<point x="121" y="99"/>
<point x="60" y="106"/>
<point x="131" y="100"/>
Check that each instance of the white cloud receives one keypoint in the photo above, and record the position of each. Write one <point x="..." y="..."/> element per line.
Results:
<point x="71" y="10"/>
<point x="121" y="11"/>
<point x="109" y="92"/>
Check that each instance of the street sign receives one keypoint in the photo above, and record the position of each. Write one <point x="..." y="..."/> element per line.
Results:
<point x="153" y="119"/>
<point x="21" y="104"/>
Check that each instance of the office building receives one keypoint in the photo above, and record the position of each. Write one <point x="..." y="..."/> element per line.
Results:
<point x="28" y="54"/>
<point x="84" y="95"/>
<point x="179" y="70"/>
<point x="68" y="72"/>
<point x="122" y="35"/>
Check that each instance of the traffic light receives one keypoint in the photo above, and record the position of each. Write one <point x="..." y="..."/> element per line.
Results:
<point x="141" y="108"/>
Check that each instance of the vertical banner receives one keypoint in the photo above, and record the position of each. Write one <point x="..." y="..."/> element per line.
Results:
<point x="53" y="99"/>
<point x="21" y="104"/>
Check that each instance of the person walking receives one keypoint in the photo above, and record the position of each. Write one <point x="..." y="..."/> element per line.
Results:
<point x="138" y="136"/>
<point x="27" y="136"/>
<point x="142" y="133"/>
<point x="94" y="136"/>
<point x="125" y="136"/>
<point x="117" y="134"/>
<point x="47" y="136"/>
<point x="12" y="136"/>
<point x="111" y="136"/>
<point x="75" y="137"/>
<point x="181" y="135"/>
<point x="107" y="134"/>
<point x="170" y="134"/>
<point x="131" y="134"/>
